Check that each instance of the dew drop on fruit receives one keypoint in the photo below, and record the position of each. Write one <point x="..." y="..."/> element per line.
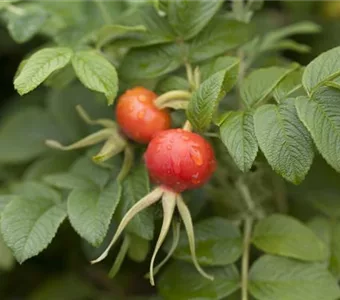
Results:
<point x="169" y="147"/>
<point x="142" y="98"/>
<point x="184" y="138"/>
<point x="141" y="114"/>
<point x="195" y="181"/>
<point x="196" y="156"/>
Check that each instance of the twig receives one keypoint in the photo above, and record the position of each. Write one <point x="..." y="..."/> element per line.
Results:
<point x="248" y="223"/>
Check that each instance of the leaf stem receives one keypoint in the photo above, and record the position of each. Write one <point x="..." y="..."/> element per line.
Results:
<point x="120" y="257"/>
<point x="248" y="224"/>
<point x="104" y="11"/>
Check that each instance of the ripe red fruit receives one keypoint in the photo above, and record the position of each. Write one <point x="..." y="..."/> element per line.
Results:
<point x="138" y="116"/>
<point x="179" y="159"/>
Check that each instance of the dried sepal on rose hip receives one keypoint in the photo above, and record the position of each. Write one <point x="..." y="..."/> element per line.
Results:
<point x="114" y="141"/>
<point x="177" y="160"/>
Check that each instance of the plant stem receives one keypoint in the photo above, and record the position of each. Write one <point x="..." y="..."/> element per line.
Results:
<point x="104" y="12"/>
<point x="248" y="223"/>
<point x="127" y="163"/>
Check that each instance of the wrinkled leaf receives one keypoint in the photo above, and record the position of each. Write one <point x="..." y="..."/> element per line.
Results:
<point x="286" y="236"/>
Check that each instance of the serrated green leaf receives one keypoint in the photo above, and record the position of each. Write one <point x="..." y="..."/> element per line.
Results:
<point x="113" y="31"/>
<point x="61" y="78"/>
<point x="158" y="30"/>
<point x="321" y="115"/>
<point x="260" y="84"/>
<point x="218" y="243"/>
<point x="151" y="62"/>
<point x="135" y="187"/>
<point x="205" y="99"/>
<point x="181" y="281"/>
<point x="29" y="225"/>
<point x="22" y="27"/>
<point x="96" y="73"/>
<point x="282" y="278"/>
<point x="238" y="135"/>
<point x="67" y="180"/>
<point x="53" y="163"/>
<point x="286" y="236"/>
<point x="62" y="105"/>
<point x="323" y="68"/>
<point x="39" y="66"/>
<point x="84" y="167"/>
<point x="90" y="211"/>
<point x="31" y="190"/>
<point x="277" y="38"/>
<point x="23" y="135"/>
<point x="222" y="34"/>
<point x="284" y="140"/>
<point x="289" y="86"/>
<point x="188" y="18"/>
<point x="218" y="64"/>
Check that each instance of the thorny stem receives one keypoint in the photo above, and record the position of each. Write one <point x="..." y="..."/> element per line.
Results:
<point x="104" y="12"/>
<point x="248" y="223"/>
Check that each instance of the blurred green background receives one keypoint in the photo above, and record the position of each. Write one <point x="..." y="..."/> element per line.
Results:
<point x="62" y="271"/>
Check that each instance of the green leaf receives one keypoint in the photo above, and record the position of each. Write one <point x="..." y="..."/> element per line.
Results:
<point x="158" y="30"/>
<point x="96" y="73"/>
<point x="6" y="258"/>
<point x="22" y="27"/>
<point x="66" y="180"/>
<point x="84" y="167"/>
<point x="260" y="84"/>
<point x="113" y="31"/>
<point x="205" y="99"/>
<point x="23" y="135"/>
<point x="238" y="135"/>
<point x="329" y="231"/>
<point x="282" y="278"/>
<point x="221" y="35"/>
<point x="218" y="64"/>
<point x="172" y="83"/>
<point x="321" y="115"/>
<point x="323" y="68"/>
<point x="218" y="243"/>
<point x="90" y="211"/>
<point x="289" y="86"/>
<point x="181" y="281"/>
<point x="29" y="225"/>
<point x="39" y="66"/>
<point x="188" y="18"/>
<point x="54" y="163"/>
<point x="139" y="248"/>
<point x="151" y="62"/>
<point x="61" y="78"/>
<point x="274" y="38"/>
<point x="135" y="187"/>
<point x="32" y="190"/>
<point x="285" y="236"/>
<point x="284" y="140"/>
<point x="4" y="200"/>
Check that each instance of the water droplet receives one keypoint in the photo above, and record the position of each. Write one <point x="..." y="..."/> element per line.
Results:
<point x="131" y="108"/>
<point x="184" y="138"/>
<point x="159" y="148"/>
<point x="195" y="181"/>
<point x="177" y="168"/>
<point x="195" y="176"/>
<point x="169" y="147"/>
<point x="142" y="98"/>
<point x="141" y="114"/>
<point x="196" y="156"/>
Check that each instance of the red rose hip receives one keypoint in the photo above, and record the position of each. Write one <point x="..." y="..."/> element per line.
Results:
<point x="179" y="159"/>
<point x="138" y="116"/>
